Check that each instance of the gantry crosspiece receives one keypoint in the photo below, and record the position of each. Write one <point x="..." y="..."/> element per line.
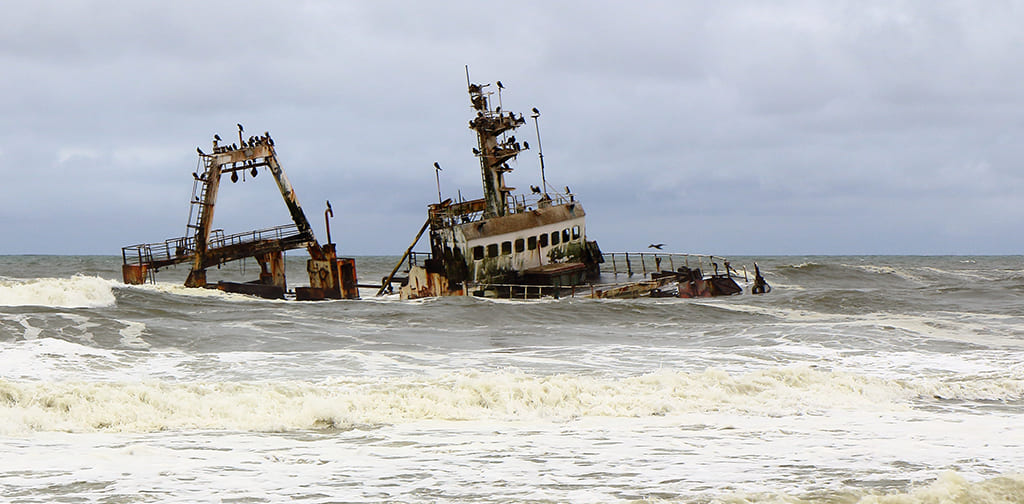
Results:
<point x="494" y="154"/>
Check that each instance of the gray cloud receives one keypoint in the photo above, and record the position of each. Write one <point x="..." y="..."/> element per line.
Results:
<point x="734" y="128"/>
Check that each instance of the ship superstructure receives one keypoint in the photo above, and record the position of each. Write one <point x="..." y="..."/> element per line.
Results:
<point x="502" y="238"/>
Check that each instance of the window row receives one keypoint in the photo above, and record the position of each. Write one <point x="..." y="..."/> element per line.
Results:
<point x="530" y="243"/>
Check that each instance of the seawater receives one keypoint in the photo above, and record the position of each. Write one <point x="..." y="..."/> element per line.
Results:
<point x="858" y="379"/>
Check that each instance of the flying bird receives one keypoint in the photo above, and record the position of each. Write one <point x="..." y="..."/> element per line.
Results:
<point x="656" y="246"/>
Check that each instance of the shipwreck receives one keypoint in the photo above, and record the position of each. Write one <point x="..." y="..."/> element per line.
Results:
<point x="531" y="245"/>
<point x="203" y="247"/>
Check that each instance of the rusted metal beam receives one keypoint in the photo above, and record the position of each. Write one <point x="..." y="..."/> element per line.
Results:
<point x="387" y="280"/>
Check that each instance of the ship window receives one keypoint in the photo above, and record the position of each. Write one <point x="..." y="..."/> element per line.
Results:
<point x="531" y="243"/>
<point x="478" y="252"/>
<point x="520" y="245"/>
<point x="492" y="250"/>
<point x="544" y="240"/>
<point x="575" y="232"/>
<point x="506" y="248"/>
<point x="554" y="238"/>
<point x="565" y="235"/>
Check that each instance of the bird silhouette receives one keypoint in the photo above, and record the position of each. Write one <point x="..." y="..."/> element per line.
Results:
<point x="535" y="111"/>
<point x="656" y="246"/>
<point x="216" y="137"/>
<point x="476" y="151"/>
<point x="526" y="145"/>
<point x="240" y="128"/>
<point x="437" y="166"/>
<point x="200" y="151"/>
<point x="535" y="189"/>
<point x="500" y="86"/>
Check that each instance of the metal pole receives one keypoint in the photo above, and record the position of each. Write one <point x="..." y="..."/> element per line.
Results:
<point x="540" y="150"/>
<point x="387" y="281"/>
<point x="437" y="177"/>
<point x="327" y="222"/>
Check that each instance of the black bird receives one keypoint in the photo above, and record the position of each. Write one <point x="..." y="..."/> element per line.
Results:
<point x="476" y="151"/>
<point x="535" y="189"/>
<point x="500" y="86"/>
<point x="497" y="110"/>
<point x="526" y="145"/>
<point x="567" y="191"/>
<point x="656" y="246"/>
<point x="240" y="128"/>
<point x="200" y="151"/>
<point x="535" y="111"/>
<point x="437" y="166"/>
<point x="216" y="137"/>
<point x="234" y="147"/>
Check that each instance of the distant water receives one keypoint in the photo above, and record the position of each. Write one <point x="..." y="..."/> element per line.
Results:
<point x="859" y="379"/>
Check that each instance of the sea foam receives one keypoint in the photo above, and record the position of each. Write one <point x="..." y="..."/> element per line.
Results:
<point x="461" y="396"/>
<point x="76" y="292"/>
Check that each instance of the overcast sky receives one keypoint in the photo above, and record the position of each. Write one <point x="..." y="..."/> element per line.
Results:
<point x="743" y="128"/>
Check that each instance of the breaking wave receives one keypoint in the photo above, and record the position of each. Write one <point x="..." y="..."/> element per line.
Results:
<point x="75" y="292"/>
<point x="502" y="396"/>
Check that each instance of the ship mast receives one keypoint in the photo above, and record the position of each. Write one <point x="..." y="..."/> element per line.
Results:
<point x="494" y="154"/>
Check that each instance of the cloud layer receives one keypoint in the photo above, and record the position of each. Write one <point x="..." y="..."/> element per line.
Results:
<point x="727" y="128"/>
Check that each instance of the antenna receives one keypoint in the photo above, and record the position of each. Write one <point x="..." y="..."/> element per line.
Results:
<point x="540" y="149"/>
<point x="437" y="176"/>
<point x="467" y="77"/>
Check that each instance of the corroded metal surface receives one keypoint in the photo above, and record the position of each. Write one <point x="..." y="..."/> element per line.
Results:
<point x="333" y="277"/>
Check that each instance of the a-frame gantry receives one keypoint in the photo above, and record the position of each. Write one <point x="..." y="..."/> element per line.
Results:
<point x="330" y="277"/>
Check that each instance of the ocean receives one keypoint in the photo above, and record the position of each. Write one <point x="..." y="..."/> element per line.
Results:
<point x="857" y="379"/>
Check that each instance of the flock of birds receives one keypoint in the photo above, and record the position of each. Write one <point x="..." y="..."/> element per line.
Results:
<point x="252" y="141"/>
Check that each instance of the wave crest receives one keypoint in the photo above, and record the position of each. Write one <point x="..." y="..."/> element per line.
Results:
<point x="503" y="396"/>
<point x="78" y="291"/>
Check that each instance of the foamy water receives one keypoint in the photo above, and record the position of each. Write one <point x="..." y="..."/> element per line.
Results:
<point x="872" y="380"/>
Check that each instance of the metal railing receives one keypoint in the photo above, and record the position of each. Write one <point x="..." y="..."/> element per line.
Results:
<point x="180" y="249"/>
<point x="644" y="263"/>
